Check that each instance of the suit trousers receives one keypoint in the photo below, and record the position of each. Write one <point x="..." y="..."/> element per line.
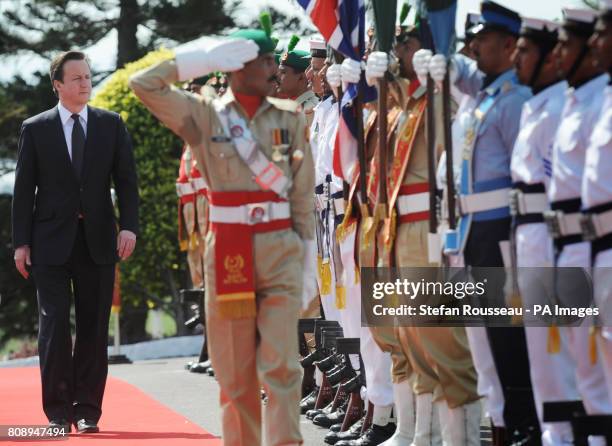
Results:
<point x="73" y="381"/>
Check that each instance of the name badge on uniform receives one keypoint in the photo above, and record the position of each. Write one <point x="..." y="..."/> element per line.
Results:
<point x="220" y="137"/>
<point x="280" y="144"/>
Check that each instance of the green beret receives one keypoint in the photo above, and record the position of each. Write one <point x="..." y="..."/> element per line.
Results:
<point x="263" y="41"/>
<point x="297" y="59"/>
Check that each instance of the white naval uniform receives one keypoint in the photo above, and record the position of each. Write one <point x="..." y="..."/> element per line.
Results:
<point x="350" y="315"/>
<point x="597" y="190"/>
<point x="552" y="375"/>
<point x="319" y="144"/>
<point x="582" y="107"/>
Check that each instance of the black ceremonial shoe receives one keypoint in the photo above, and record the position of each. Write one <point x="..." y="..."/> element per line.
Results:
<point x="309" y="401"/>
<point x="374" y="436"/>
<point x="61" y="424"/>
<point x="87" y="426"/>
<point x="352" y="434"/>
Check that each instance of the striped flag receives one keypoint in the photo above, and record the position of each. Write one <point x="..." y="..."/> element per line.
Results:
<point x="342" y="25"/>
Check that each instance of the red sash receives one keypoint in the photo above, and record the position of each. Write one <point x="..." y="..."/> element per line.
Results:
<point x="234" y="273"/>
<point x="406" y="136"/>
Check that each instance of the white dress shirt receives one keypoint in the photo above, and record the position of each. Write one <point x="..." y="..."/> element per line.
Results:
<point x="581" y="110"/>
<point x="68" y="123"/>
<point x="597" y="181"/>
<point x="531" y="157"/>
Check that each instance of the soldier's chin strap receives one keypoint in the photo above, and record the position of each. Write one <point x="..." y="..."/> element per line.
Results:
<point x="545" y="50"/>
<point x="572" y="71"/>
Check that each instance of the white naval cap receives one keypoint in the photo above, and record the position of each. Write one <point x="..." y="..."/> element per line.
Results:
<point x="580" y="15"/>
<point x="317" y="43"/>
<point x="318" y="48"/>
<point x="540" y="24"/>
<point x="605" y="5"/>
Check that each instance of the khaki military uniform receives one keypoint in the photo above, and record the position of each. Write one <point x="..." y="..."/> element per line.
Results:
<point x="261" y="349"/>
<point x="308" y="101"/>
<point x="193" y="216"/>
<point x="440" y="356"/>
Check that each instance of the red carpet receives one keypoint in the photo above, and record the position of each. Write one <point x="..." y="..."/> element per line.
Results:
<point x="129" y="417"/>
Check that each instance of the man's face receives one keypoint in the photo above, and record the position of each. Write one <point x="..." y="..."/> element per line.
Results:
<point x="290" y="81"/>
<point x="601" y="44"/>
<point x="258" y="77"/>
<point x="316" y="83"/>
<point x="567" y="51"/>
<point x="525" y="58"/>
<point x="492" y="51"/>
<point x="405" y="52"/>
<point x="75" y="87"/>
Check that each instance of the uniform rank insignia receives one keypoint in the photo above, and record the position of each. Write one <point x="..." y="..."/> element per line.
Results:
<point x="280" y="144"/>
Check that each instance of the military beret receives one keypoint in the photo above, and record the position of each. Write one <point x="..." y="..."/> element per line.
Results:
<point x="265" y="43"/>
<point x="297" y="59"/>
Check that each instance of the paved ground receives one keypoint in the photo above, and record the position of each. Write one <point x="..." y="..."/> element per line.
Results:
<point x="197" y="396"/>
<point x="194" y="396"/>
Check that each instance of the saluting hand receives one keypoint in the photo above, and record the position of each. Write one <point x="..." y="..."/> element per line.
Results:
<point x="126" y="242"/>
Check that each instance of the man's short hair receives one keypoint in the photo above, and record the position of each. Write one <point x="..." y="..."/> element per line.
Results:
<point x="56" y="71"/>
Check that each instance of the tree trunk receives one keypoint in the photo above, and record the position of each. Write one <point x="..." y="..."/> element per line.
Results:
<point x="128" y="50"/>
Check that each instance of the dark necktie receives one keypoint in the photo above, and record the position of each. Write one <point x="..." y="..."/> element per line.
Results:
<point x="78" y="146"/>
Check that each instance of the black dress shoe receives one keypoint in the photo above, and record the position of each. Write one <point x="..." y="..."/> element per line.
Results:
<point x="352" y="434"/>
<point x="374" y="436"/>
<point x="309" y="401"/>
<point x="335" y="427"/>
<point x="328" y="419"/>
<point x="200" y="367"/>
<point x="84" y="426"/>
<point x="63" y="424"/>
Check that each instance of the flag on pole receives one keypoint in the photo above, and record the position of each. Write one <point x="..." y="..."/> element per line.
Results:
<point x="441" y="16"/>
<point x="342" y="25"/>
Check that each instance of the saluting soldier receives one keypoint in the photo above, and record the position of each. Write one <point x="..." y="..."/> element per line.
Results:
<point x="293" y="83"/>
<point x="260" y="246"/>
<point x="597" y="191"/>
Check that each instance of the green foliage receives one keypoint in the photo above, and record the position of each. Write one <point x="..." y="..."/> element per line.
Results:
<point x="18" y="307"/>
<point x="18" y="101"/>
<point x="153" y="272"/>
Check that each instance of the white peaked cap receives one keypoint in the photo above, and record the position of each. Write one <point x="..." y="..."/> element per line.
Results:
<point x="539" y="24"/>
<point x="580" y="15"/>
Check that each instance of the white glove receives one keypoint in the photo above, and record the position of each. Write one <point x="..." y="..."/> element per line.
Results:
<point x="351" y="71"/>
<point x="334" y="75"/>
<point x="310" y="288"/>
<point x="420" y="63"/>
<point x="224" y="55"/>
<point x="437" y="68"/>
<point x="376" y="66"/>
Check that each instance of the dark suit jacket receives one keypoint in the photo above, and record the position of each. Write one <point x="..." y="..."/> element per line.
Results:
<point x="48" y="198"/>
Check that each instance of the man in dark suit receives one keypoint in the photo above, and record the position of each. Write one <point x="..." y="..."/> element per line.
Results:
<point x="65" y="231"/>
